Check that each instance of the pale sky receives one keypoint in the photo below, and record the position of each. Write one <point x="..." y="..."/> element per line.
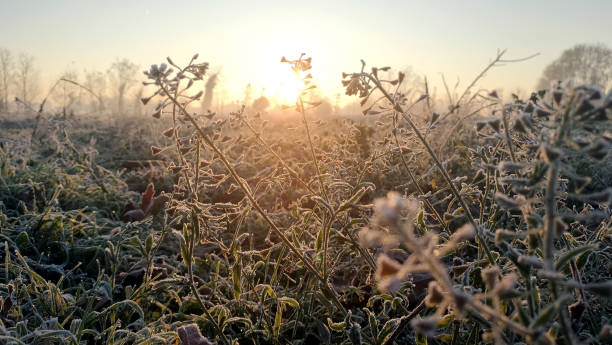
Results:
<point x="246" y="39"/>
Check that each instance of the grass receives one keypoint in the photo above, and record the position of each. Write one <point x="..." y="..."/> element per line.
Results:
<point x="406" y="225"/>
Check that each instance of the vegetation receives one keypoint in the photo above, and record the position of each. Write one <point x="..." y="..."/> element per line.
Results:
<point x="422" y="221"/>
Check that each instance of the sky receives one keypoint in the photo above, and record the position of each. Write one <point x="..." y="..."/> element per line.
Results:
<point x="245" y="40"/>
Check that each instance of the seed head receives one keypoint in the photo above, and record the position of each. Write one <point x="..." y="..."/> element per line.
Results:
<point x="425" y="325"/>
<point x="435" y="295"/>
<point x="489" y="275"/>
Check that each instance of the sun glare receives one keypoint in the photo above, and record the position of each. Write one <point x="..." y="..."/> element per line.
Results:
<point x="282" y="85"/>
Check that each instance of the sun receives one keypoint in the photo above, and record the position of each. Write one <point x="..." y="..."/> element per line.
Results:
<point x="282" y="84"/>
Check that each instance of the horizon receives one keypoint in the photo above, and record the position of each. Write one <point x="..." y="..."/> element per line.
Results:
<point x="450" y="39"/>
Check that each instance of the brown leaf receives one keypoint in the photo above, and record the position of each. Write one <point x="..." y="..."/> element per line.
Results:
<point x="190" y="335"/>
<point x="147" y="198"/>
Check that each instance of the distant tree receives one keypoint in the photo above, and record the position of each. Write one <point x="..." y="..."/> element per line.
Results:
<point x="68" y="95"/>
<point x="209" y="89"/>
<point x="581" y="64"/>
<point x="122" y="74"/>
<point x="261" y="104"/>
<point x="6" y="77"/>
<point x="97" y="83"/>
<point x="325" y="109"/>
<point x="25" y="78"/>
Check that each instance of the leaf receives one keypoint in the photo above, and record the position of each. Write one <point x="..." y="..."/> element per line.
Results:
<point x="290" y="301"/>
<point x="387" y="329"/>
<point x="549" y="312"/>
<point x="236" y="280"/>
<point x="277" y="321"/>
<point x="354" y="198"/>
<point x="237" y="319"/>
<point x="565" y="258"/>
<point x="149" y="243"/>
<point x="336" y="326"/>
<point x="147" y="198"/>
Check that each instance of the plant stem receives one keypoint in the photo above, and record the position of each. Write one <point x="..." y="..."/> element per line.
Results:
<point x="415" y="182"/>
<point x="397" y="107"/>
<point x="312" y="151"/>
<point x="241" y="183"/>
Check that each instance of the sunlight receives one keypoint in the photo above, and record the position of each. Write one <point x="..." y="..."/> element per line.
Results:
<point x="281" y="84"/>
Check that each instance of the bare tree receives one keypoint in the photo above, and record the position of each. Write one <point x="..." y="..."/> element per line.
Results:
<point x="261" y="104"/>
<point x="96" y="82"/>
<point x="25" y="78"/>
<point x="209" y="89"/>
<point x="6" y="77"/>
<point x="581" y="64"/>
<point x="68" y="94"/>
<point x="122" y="75"/>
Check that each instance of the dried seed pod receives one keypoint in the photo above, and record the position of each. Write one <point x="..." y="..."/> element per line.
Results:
<point x="506" y="202"/>
<point x="460" y="300"/>
<point x="435" y="295"/>
<point x="495" y="124"/>
<point x="557" y="96"/>
<point x="425" y="325"/>
<point x="530" y="261"/>
<point x="550" y="154"/>
<point x="502" y="235"/>
<point x="509" y="166"/>
<point x="480" y="125"/>
<point x="385" y="267"/>
<point x="168" y="132"/>
<point x="464" y="233"/>
<point x="155" y="150"/>
<point x="490" y="276"/>
<point x="506" y="287"/>
<point x="190" y="335"/>
<point x="539" y="112"/>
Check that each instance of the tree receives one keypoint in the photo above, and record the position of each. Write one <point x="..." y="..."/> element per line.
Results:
<point x="261" y="104"/>
<point x="25" y="78"/>
<point x="6" y="77"/>
<point x="96" y="82"/>
<point x="582" y="64"/>
<point x="122" y="74"/>
<point x="209" y="88"/>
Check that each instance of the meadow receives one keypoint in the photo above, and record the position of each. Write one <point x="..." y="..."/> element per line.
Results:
<point x="464" y="219"/>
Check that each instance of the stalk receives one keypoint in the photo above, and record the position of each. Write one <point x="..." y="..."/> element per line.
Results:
<point x="397" y="107"/>
<point x="307" y="263"/>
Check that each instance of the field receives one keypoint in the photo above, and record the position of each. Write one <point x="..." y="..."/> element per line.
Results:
<point x="466" y="220"/>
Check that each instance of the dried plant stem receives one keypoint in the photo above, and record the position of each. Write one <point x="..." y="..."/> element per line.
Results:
<point x="277" y="156"/>
<point x="307" y="263"/>
<point x="404" y="322"/>
<point x="397" y="107"/>
<point x="312" y="151"/>
<point x="507" y="135"/>
<point x="195" y="291"/>
<point x="178" y="146"/>
<point x="414" y="180"/>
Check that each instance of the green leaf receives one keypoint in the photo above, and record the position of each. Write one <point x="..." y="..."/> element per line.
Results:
<point x="565" y="258"/>
<point x="236" y="269"/>
<point x="336" y="326"/>
<point x="290" y="301"/>
<point x="387" y="329"/>
<point x="149" y="244"/>
<point x="236" y="319"/>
